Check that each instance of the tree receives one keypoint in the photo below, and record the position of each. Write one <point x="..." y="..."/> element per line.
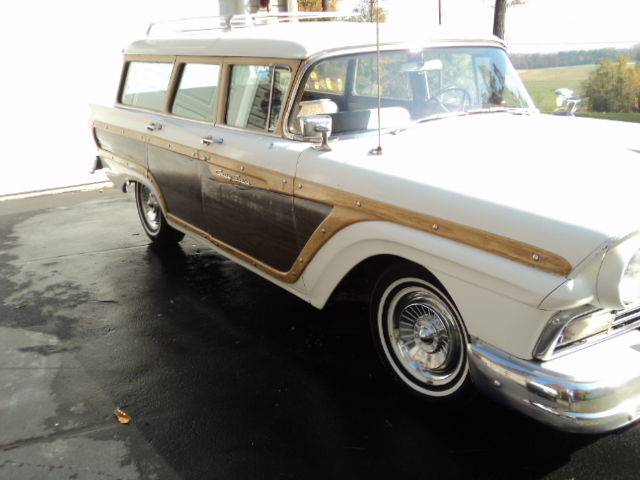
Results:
<point x="317" y="5"/>
<point x="365" y="11"/>
<point x="500" y="13"/>
<point x="614" y="86"/>
<point x="369" y="11"/>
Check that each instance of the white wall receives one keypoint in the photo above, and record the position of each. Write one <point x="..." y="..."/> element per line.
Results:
<point x="57" y="57"/>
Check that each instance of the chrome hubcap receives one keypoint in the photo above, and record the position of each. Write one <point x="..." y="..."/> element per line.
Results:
<point x="150" y="209"/>
<point x="431" y="332"/>
<point x="425" y="336"/>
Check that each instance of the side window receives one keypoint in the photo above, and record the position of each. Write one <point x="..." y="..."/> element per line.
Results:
<point x="196" y="96"/>
<point x="324" y="91"/>
<point x="328" y="77"/>
<point x="256" y="95"/>
<point x="395" y="82"/>
<point x="146" y="84"/>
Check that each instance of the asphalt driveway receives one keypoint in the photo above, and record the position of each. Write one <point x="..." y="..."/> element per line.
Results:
<point x="224" y="375"/>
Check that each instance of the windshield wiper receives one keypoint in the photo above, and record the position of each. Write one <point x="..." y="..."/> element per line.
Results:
<point x="439" y="116"/>
<point x="514" y="110"/>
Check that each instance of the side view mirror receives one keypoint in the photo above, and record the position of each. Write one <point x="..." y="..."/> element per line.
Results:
<point x="316" y="127"/>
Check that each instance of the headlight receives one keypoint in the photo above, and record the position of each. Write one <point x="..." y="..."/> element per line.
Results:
<point x="618" y="283"/>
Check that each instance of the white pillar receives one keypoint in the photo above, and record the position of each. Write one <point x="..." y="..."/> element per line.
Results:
<point x="231" y="7"/>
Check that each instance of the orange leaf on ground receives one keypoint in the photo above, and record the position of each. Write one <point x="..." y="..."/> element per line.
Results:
<point x="122" y="416"/>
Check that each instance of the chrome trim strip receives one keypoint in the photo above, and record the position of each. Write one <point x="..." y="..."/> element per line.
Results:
<point x="559" y="393"/>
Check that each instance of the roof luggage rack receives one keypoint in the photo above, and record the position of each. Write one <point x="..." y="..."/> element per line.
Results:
<point x="230" y="22"/>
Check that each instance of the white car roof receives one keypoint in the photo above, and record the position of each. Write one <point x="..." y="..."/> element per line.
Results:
<point x="296" y="40"/>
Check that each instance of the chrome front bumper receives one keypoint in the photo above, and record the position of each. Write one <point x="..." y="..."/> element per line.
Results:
<point x="593" y="390"/>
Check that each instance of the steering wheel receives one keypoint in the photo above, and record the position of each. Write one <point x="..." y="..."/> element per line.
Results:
<point x="465" y="99"/>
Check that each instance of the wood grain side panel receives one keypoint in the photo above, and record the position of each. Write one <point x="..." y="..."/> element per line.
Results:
<point x="129" y="147"/>
<point x="347" y="209"/>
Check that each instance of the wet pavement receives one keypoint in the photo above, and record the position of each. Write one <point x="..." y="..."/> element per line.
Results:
<point x="225" y="375"/>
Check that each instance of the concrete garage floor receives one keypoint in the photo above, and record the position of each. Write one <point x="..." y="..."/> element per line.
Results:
<point x="225" y="375"/>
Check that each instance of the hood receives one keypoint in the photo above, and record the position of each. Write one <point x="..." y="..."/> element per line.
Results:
<point x="564" y="184"/>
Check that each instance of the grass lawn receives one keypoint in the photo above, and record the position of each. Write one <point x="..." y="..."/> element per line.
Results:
<point x="543" y="82"/>
<point x="625" y="117"/>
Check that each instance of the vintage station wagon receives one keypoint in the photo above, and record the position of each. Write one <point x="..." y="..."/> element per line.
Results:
<point x="500" y="247"/>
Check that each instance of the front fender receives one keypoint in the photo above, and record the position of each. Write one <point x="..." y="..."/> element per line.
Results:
<point x="497" y="297"/>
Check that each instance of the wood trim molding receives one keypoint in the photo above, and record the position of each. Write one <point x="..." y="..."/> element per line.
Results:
<point x="370" y="209"/>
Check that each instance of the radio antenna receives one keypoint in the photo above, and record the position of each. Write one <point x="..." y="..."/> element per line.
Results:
<point x="378" y="149"/>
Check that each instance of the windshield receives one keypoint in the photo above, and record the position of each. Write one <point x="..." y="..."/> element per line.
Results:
<point x="414" y="86"/>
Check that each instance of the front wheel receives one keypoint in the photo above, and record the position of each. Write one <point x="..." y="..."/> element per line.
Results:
<point x="419" y="333"/>
<point x="153" y="220"/>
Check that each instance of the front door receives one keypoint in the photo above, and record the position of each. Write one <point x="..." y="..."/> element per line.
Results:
<point x="248" y="201"/>
<point x="248" y="197"/>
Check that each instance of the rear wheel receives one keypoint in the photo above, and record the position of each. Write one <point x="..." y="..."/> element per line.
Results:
<point x="419" y="333"/>
<point x="153" y="220"/>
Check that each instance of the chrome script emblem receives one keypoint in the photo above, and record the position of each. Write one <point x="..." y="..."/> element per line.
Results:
<point x="233" y="178"/>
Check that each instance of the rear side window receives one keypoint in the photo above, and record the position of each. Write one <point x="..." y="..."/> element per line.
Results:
<point x="256" y="93"/>
<point x="146" y="84"/>
<point x="196" y="96"/>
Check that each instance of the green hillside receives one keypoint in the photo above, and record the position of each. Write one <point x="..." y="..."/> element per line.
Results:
<point x="622" y="117"/>
<point x="543" y="82"/>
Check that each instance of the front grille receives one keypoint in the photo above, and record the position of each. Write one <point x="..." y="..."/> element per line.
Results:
<point x="627" y="319"/>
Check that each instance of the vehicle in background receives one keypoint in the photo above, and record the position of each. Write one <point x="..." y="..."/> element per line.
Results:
<point x="566" y="102"/>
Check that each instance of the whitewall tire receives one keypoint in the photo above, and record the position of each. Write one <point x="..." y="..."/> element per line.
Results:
<point x="419" y="334"/>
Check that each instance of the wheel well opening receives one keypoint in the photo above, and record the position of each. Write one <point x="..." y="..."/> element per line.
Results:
<point x="358" y="284"/>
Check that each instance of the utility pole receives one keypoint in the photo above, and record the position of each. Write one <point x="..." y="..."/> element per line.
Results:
<point x="439" y="12"/>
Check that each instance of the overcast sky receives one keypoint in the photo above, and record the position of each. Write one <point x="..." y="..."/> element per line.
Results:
<point x="538" y="25"/>
<point x="578" y="24"/>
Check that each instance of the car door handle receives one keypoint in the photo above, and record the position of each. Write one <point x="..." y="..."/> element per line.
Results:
<point x="152" y="127"/>
<point x="208" y="141"/>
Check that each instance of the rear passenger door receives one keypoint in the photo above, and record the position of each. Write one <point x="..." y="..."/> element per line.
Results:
<point x="175" y="150"/>
<point x="123" y="131"/>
